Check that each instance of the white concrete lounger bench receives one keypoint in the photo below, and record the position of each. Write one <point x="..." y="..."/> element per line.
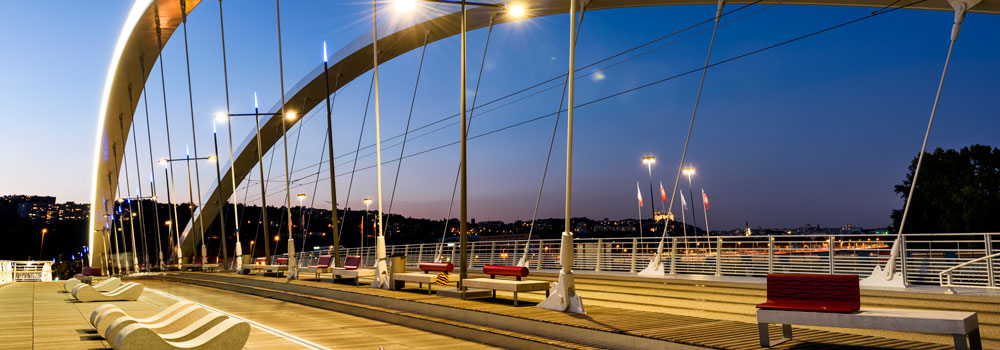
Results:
<point x="277" y="269"/>
<point x="425" y="276"/>
<point x="322" y="266"/>
<point x="114" y="321"/>
<point x="104" y="286"/>
<point x="112" y="311"/>
<point x="835" y="301"/>
<point x="178" y="329"/>
<point x="515" y="286"/>
<point x="228" y="334"/>
<point x="127" y="292"/>
<point x="351" y="269"/>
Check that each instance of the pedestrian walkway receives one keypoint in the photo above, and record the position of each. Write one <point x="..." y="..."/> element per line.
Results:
<point x="40" y="315"/>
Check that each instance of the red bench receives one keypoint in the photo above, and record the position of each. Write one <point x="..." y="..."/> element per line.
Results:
<point x="806" y="292"/>
<point x="322" y="266"/>
<point x="835" y="301"/>
<point x="517" y="285"/>
<point x="425" y="276"/>
<point x="513" y="271"/>
<point x="352" y="268"/>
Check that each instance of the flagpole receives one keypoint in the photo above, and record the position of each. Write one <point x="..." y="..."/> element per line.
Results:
<point x="684" y="222"/>
<point x="704" y="202"/>
<point x="640" y="209"/>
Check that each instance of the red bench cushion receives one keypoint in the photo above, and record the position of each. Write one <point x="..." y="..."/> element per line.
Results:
<point x="282" y="261"/>
<point x="515" y="271"/>
<point x="436" y="266"/>
<point x="352" y="262"/>
<point x="809" y="292"/>
<point x="324" y="261"/>
<point x="95" y="271"/>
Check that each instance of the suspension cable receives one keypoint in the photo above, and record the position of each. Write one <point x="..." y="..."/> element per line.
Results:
<point x="194" y="138"/>
<point x="468" y="126"/>
<point x="364" y="120"/>
<point x="229" y="126"/>
<point x="409" y="117"/>
<point x="152" y="169"/>
<point x="552" y="141"/>
<point x="138" y="183"/>
<point x="629" y="90"/>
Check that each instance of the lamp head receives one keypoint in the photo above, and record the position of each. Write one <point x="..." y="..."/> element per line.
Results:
<point x="301" y="196"/>
<point x="324" y="52"/>
<point x="648" y="160"/>
<point x="404" y="5"/>
<point x="164" y="162"/>
<point x="255" y="100"/>
<point x="212" y="159"/>
<point x="688" y="171"/>
<point x="291" y="115"/>
<point x="516" y="10"/>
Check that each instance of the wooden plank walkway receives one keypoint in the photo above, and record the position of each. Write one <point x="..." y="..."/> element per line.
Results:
<point x="40" y="315"/>
<point x="698" y="331"/>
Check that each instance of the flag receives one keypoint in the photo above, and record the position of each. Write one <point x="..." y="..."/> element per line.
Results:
<point x="442" y="279"/>
<point x="704" y="198"/>
<point x="663" y="193"/>
<point x="684" y="204"/>
<point x="638" y="194"/>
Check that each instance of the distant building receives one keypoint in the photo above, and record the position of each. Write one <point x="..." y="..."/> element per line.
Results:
<point x="45" y="208"/>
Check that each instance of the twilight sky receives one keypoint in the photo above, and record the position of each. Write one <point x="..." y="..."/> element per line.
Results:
<point x="817" y="131"/>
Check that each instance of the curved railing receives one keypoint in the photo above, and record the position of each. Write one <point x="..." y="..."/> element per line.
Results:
<point x="946" y="278"/>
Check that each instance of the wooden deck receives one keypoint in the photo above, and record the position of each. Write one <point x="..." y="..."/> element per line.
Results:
<point x="697" y="331"/>
<point x="40" y="315"/>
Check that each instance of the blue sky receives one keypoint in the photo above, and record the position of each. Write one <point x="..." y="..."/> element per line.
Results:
<point x="817" y="131"/>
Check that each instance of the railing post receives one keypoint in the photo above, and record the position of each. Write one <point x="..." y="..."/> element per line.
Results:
<point x="538" y="265"/>
<point x="833" y="253"/>
<point x="673" y="255"/>
<point x="902" y="257"/>
<point x="635" y="246"/>
<point x="597" y="263"/>
<point x="493" y="250"/>
<point x="770" y="254"/>
<point x="989" y="261"/>
<point x="420" y="253"/>
<point x="472" y="254"/>
<point x="718" y="256"/>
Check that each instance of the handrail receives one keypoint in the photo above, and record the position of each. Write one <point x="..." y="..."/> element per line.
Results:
<point x="950" y="270"/>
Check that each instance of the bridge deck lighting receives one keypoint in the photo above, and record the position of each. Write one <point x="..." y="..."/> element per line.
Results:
<point x="291" y="115"/>
<point x="648" y="160"/>
<point x="688" y="171"/>
<point x="212" y="158"/>
<point x="163" y="162"/>
<point x="221" y="116"/>
<point x="301" y="196"/>
<point x="404" y="5"/>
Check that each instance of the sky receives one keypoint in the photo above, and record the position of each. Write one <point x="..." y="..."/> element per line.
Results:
<point x="817" y="131"/>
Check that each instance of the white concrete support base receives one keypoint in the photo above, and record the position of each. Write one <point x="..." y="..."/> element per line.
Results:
<point x="654" y="269"/>
<point x="381" y="269"/>
<point x="160" y="255"/>
<point x="204" y="254"/>
<point x="880" y="279"/>
<point x="293" y="266"/>
<point x="239" y="255"/>
<point x="563" y="297"/>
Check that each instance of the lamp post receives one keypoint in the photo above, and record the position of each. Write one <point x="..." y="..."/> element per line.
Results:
<point x="302" y="220"/>
<point x="42" y="245"/>
<point x="222" y="206"/>
<point x="689" y="171"/>
<point x="260" y="169"/>
<point x="649" y="160"/>
<point x="180" y="253"/>
<point x="406" y="5"/>
<point x="187" y="160"/>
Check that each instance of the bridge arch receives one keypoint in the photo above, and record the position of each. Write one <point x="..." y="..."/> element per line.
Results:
<point x="138" y="39"/>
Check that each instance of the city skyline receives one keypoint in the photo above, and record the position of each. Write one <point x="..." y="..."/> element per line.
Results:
<point x="770" y="145"/>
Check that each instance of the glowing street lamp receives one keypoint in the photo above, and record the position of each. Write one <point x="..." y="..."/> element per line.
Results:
<point x="689" y="171"/>
<point x="187" y="159"/>
<point x="649" y="160"/>
<point x="42" y="245"/>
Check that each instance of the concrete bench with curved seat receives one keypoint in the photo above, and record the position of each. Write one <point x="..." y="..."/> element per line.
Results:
<point x="182" y="327"/>
<point x="127" y="292"/>
<point x="228" y="334"/>
<point x="516" y="285"/>
<point x="104" y="286"/>
<point x="426" y="276"/>
<point x="178" y="311"/>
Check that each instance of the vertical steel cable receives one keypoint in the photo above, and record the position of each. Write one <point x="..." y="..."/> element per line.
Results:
<point x="409" y="117"/>
<point x="194" y="136"/>
<point x="170" y="154"/>
<point x="152" y="169"/>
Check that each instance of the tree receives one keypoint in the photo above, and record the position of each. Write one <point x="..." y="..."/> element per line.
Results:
<point x="958" y="191"/>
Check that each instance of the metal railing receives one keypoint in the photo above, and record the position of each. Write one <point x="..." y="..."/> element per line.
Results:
<point x="924" y="256"/>
<point x="24" y="271"/>
<point x="946" y="277"/>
